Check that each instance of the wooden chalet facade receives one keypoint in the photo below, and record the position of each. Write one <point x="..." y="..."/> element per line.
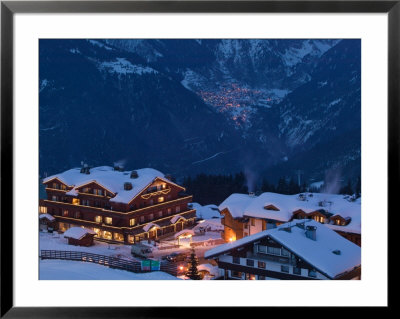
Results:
<point x="267" y="255"/>
<point x="121" y="207"/>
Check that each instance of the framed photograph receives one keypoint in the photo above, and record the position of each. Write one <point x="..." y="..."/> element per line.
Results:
<point x="166" y="154"/>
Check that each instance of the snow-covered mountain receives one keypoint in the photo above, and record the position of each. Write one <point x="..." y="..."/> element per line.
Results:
<point x="188" y="106"/>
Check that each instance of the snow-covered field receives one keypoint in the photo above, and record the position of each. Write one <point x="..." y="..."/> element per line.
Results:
<point x="76" y="270"/>
<point x="55" y="241"/>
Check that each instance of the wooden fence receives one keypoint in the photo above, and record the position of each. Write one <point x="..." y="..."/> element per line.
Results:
<point x="108" y="261"/>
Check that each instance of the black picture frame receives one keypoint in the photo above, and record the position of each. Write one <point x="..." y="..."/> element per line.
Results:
<point x="9" y="8"/>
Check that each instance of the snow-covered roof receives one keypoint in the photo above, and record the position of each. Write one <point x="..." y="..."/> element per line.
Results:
<point x="212" y="224"/>
<point x="150" y="226"/>
<point x="176" y="218"/>
<point x="242" y="205"/>
<point x="236" y="204"/>
<point x="213" y="270"/>
<point x="319" y="253"/>
<point x="47" y="216"/>
<point x="78" y="232"/>
<point x="206" y="212"/>
<point x="184" y="231"/>
<point x="111" y="180"/>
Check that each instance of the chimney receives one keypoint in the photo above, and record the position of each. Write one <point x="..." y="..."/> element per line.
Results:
<point x="311" y="232"/>
<point x="301" y="225"/>
<point x="127" y="186"/>
<point x="134" y="174"/>
<point x="85" y="169"/>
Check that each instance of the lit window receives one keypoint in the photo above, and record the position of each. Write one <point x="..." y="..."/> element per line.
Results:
<point x="98" y="219"/>
<point x="43" y="209"/>
<point x="65" y="212"/>
<point x="78" y="215"/>
<point x="108" y="220"/>
<point x="118" y="236"/>
<point x="160" y="199"/>
<point x="337" y="222"/>
<point x="169" y="211"/>
<point x="321" y="219"/>
<point x="106" y="235"/>
<point x="75" y="201"/>
<point x="261" y="264"/>
<point x="97" y="231"/>
<point x="130" y="238"/>
<point x="132" y="222"/>
<point x="63" y="187"/>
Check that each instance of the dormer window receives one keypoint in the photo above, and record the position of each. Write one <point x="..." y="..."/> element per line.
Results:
<point x="271" y="207"/>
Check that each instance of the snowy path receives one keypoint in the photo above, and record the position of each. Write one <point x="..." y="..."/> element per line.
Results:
<point x="76" y="270"/>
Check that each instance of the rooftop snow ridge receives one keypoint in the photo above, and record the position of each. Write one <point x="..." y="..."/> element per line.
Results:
<point x="318" y="253"/>
<point x="243" y="205"/>
<point x="110" y="179"/>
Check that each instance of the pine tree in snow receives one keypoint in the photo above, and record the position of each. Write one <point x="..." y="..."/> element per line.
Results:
<point x="192" y="272"/>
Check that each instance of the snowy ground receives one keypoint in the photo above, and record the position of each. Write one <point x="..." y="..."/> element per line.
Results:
<point x="76" y="270"/>
<point x="55" y="241"/>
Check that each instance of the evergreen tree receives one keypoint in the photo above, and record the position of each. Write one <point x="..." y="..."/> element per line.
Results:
<point x="293" y="187"/>
<point x="192" y="272"/>
<point x="267" y="187"/>
<point x="347" y="190"/>
<point x="282" y="187"/>
<point x="304" y="188"/>
<point x="358" y="187"/>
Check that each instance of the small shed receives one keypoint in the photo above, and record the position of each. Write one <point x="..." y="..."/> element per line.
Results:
<point x="79" y="236"/>
<point x="47" y="222"/>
